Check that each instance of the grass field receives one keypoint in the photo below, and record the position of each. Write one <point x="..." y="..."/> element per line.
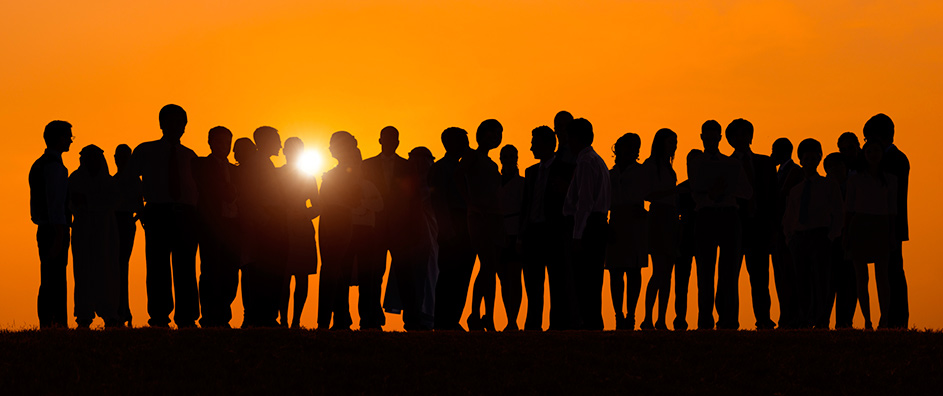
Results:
<point x="276" y="361"/>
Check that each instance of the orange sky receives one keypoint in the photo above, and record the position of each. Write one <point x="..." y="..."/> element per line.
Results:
<point x="795" y="69"/>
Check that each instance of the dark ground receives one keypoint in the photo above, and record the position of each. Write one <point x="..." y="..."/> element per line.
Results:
<point x="275" y="361"/>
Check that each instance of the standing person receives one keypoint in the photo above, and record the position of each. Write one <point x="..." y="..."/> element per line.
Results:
<point x="627" y="248"/>
<point x="509" y="273"/>
<point x="301" y="190"/>
<point x="456" y="259"/>
<point x="169" y="221"/>
<point x="561" y="123"/>
<point x="716" y="182"/>
<point x="663" y="227"/>
<point x="48" y="191"/>
<point x="93" y="198"/>
<point x="218" y="231"/>
<point x="544" y="234"/>
<point x="687" y="247"/>
<point x="757" y="216"/>
<point x="813" y="219"/>
<point x="880" y="129"/>
<point x="784" y="270"/>
<point x="587" y="203"/>
<point x="130" y="204"/>
<point x="871" y="203"/>
<point x="245" y="154"/>
<point x="480" y="182"/>
<point x="842" y="284"/>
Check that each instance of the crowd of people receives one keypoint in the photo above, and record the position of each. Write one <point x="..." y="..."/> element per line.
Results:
<point x="563" y="223"/>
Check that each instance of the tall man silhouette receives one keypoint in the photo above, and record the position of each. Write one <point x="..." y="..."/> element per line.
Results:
<point x="783" y="267"/>
<point x="717" y="181"/>
<point x="880" y="129"/>
<point x="757" y="216"/>
<point x="587" y="203"/>
<point x="218" y="237"/>
<point x="169" y="221"/>
<point x="48" y="184"/>
<point x="126" y="215"/>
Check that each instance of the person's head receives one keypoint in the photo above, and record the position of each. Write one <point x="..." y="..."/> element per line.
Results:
<point x="848" y="145"/>
<point x="294" y="147"/>
<point x="489" y="134"/>
<point x="343" y="146"/>
<point x="389" y="140"/>
<point x="692" y="155"/>
<point x="220" y="140"/>
<point x="543" y="142"/>
<point x="782" y="151"/>
<point x="173" y="121"/>
<point x="560" y="123"/>
<point x="834" y="166"/>
<point x="880" y="129"/>
<point x="243" y="150"/>
<point x="809" y="153"/>
<point x="122" y="155"/>
<point x="581" y="134"/>
<point x="92" y="160"/>
<point x="710" y="135"/>
<point x="455" y="140"/>
<point x="627" y="148"/>
<point x="664" y="145"/>
<point x="267" y="141"/>
<point x="422" y="159"/>
<point x="58" y="136"/>
<point x="508" y="156"/>
<point x="740" y="134"/>
<point x="873" y="153"/>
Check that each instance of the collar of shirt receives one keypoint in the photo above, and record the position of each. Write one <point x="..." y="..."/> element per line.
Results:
<point x="545" y="163"/>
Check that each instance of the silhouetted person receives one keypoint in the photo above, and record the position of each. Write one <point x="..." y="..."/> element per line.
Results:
<point x="48" y="191"/>
<point x="687" y="247"/>
<point x="627" y="248"/>
<point x="880" y="129"/>
<point x="170" y="222"/>
<point x="301" y="190"/>
<point x="509" y="273"/>
<point x="545" y="234"/>
<point x="218" y="231"/>
<point x="93" y="197"/>
<point x="783" y="267"/>
<point x="871" y="204"/>
<point x="456" y="256"/>
<point x="561" y="123"/>
<point x="717" y="181"/>
<point x="480" y="182"/>
<point x="813" y="219"/>
<point x="842" y="286"/>
<point x="850" y="149"/>
<point x="243" y="179"/>
<point x="130" y="205"/>
<point x="587" y="203"/>
<point x="757" y="217"/>
<point x="660" y="182"/>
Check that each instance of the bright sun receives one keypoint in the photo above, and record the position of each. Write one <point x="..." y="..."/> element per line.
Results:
<point x="310" y="162"/>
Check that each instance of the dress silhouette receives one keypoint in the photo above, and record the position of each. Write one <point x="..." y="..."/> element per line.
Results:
<point x="842" y="283"/>
<point x="130" y="205"/>
<point x="509" y="273"/>
<point x="659" y="188"/>
<point x="783" y="267"/>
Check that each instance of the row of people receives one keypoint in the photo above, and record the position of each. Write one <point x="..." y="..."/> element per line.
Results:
<point x="566" y="219"/>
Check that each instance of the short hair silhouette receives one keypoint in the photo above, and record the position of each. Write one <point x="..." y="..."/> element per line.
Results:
<point x="581" y="132"/>
<point x="784" y="146"/>
<point x="454" y="139"/>
<point x="123" y="149"/>
<point x="293" y="146"/>
<point x="741" y="126"/>
<point x="389" y="131"/>
<point x="507" y="152"/>
<point x="849" y="138"/>
<point x="831" y="160"/>
<point x="710" y="126"/>
<point x="243" y="150"/>
<point x="544" y="135"/>
<point x="56" y="130"/>
<point x="217" y="132"/>
<point x="263" y="132"/>
<point x="808" y="146"/>
<point x="879" y="127"/>
<point x="489" y="133"/>
<point x="563" y="118"/>
<point x="173" y="119"/>
<point x="421" y="152"/>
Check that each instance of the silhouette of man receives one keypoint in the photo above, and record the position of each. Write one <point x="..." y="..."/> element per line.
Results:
<point x="416" y="280"/>
<point x="129" y="209"/>
<point x="880" y="128"/>
<point x="587" y="203"/>
<point x="48" y="188"/>
<point x="218" y="236"/>
<point x="169" y="221"/>
<point x="717" y="181"/>
<point x="561" y="124"/>
<point x="544" y="233"/>
<point x="757" y="217"/>
<point x="842" y="287"/>
<point x="783" y="266"/>
<point x="509" y="273"/>
<point x="456" y="256"/>
<point x="850" y="149"/>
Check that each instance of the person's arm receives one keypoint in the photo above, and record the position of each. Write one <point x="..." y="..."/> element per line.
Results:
<point x="57" y="183"/>
<point x="314" y="199"/>
<point x="584" y="199"/>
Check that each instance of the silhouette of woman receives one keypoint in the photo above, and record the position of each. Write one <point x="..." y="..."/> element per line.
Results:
<point x="512" y="196"/>
<point x="663" y="225"/>
<point x="93" y="197"/>
<point x="300" y="190"/>
<point x="244" y="152"/>
<point x="871" y="204"/>
<point x="627" y="251"/>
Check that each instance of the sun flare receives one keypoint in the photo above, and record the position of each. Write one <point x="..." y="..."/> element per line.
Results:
<point x="310" y="162"/>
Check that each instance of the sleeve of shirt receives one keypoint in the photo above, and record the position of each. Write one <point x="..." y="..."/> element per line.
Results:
<point x="56" y="189"/>
<point x="584" y="199"/>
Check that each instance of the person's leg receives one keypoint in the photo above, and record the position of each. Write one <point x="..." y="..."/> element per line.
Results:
<point x="882" y="279"/>
<point x="663" y="284"/>
<point x="757" y="263"/>
<point x="619" y="294"/>
<point x="300" y="297"/>
<point x="706" y="262"/>
<point x="899" y="312"/>
<point x="633" y="289"/>
<point x="822" y="273"/>
<point x="801" y="254"/>
<point x="510" y="277"/>
<point x="183" y="256"/>
<point x="534" y="279"/>
<point x="682" y="274"/>
<point x="127" y="228"/>
<point x="728" y="273"/>
<point x="158" y="237"/>
<point x="445" y="318"/>
<point x="53" y="287"/>
<point x="592" y="270"/>
<point x="861" y="277"/>
<point x="327" y="285"/>
<point x="651" y="292"/>
<point x="784" y="277"/>
<point x="84" y="289"/>
<point x="371" y="265"/>
<point x="211" y="276"/>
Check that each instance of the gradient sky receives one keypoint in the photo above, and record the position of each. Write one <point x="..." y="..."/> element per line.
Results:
<point x="795" y="69"/>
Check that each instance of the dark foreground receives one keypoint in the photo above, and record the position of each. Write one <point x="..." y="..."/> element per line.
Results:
<point x="151" y="361"/>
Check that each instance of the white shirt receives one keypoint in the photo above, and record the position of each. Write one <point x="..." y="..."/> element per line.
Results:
<point x="590" y="190"/>
<point x="151" y="161"/>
